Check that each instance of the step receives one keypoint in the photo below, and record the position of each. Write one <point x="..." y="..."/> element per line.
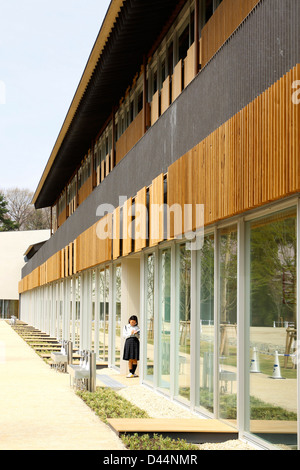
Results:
<point x="192" y="430"/>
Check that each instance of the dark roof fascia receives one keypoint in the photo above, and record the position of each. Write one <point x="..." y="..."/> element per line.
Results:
<point x="137" y="27"/>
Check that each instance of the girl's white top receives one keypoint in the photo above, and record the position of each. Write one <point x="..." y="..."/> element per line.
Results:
<point x="127" y="331"/>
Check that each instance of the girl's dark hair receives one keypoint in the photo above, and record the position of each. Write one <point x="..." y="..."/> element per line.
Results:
<point x="133" y="317"/>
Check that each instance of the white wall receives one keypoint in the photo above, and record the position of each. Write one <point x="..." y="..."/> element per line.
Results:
<point x="13" y="245"/>
<point x="130" y="302"/>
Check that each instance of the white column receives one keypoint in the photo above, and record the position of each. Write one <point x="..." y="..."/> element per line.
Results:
<point x="130" y="297"/>
<point x="97" y="314"/>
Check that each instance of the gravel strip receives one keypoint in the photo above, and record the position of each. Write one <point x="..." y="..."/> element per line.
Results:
<point x="158" y="406"/>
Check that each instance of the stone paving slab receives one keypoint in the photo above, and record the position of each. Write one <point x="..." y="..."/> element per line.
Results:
<point x="38" y="408"/>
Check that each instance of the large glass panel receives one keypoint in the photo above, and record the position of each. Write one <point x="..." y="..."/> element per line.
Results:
<point x="77" y="313"/>
<point x="94" y="336"/>
<point x="9" y="308"/>
<point x="228" y="324"/>
<point x="104" y="313"/>
<point x="183" y="290"/>
<point x="273" y="328"/>
<point x="165" y="320"/>
<point x="205" y="314"/>
<point x="72" y="286"/>
<point x="149" y="308"/>
<point x="117" y="320"/>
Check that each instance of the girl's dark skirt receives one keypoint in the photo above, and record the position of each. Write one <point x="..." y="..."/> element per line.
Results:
<point x="131" y="349"/>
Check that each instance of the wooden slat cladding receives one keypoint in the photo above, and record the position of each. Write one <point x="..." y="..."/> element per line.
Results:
<point x="165" y="95"/>
<point x="85" y="190"/>
<point x="141" y="220"/>
<point x="177" y="81"/>
<point x="127" y="227"/>
<point x="228" y="16"/>
<point x="155" y="112"/>
<point x="53" y="267"/>
<point x="62" y="217"/>
<point x="50" y="271"/>
<point x="116" y="233"/>
<point x="132" y="134"/>
<point x="189" y="65"/>
<point x="156" y="211"/>
<point x="249" y="161"/>
<point x="94" y="245"/>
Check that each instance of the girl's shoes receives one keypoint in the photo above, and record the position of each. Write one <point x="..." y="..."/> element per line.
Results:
<point x="129" y="376"/>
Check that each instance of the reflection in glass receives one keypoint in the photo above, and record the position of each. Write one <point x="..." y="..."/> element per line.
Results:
<point x="228" y="324"/>
<point x="273" y="328"/>
<point x="118" y="273"/>
<point x="93" y="336"/>
<point x="104" y="313"/>
<point x="9" y="308"/>
<point x="77" y="313"/>
<point x="60" y="312"/>
<point x="165" y="320"/>
<point x="205" y="313"/>
<point x="72" y="282"/>
<point x="184" y="323"/>
<point x="149" y="274"/>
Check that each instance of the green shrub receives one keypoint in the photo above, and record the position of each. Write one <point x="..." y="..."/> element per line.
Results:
<point x="107" y="404"/>
<point x="155" y="442"/>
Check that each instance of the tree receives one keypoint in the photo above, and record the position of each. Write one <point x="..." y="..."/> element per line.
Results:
<point x="22" y="211"/>
<point x="273" y="272"/>
<point x="6" y="224"/>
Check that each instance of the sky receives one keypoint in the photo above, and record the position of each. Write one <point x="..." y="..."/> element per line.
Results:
<point x="44" y="47"/>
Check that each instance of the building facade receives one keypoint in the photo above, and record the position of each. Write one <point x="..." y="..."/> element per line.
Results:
<point x="174" y="186"/>
<point x="13" y="246"/>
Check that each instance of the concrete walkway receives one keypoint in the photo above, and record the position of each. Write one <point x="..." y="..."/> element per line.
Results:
<point x="38" y="408"/>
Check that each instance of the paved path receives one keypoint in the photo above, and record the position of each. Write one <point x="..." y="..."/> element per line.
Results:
<point x="38" y="408"/>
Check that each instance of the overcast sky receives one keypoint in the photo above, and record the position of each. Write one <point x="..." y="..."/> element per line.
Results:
<point x="44" y="47"/>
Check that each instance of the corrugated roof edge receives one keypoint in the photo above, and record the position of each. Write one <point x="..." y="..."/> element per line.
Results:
<point x="105" y="30"/>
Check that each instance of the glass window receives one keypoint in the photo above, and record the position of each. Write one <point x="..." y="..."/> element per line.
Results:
<point x="149" y="307"/>
<point x="165" y="320"/>
<point x="228" y="324"/>
<point x="272" y="398"/>
<point x="77" y="313"/>
<point x="117" y="319"/>
<point x="205" y="315"/>
<point x="184" y="322"/>
<point x="9" y="308"/>
<point x="104" y="313"/>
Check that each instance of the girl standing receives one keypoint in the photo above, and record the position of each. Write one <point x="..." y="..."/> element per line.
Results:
<point x="131" y="352"/>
